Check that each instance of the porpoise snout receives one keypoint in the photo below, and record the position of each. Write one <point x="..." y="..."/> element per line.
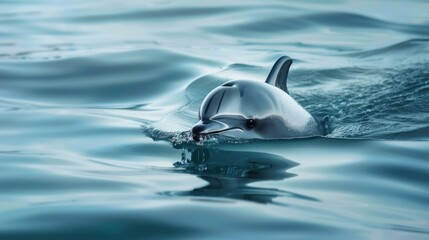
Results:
<point x="206" y="127"/>
<point x="197" y="130"/>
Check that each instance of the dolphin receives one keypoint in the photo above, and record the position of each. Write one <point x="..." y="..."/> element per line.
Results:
<point x="248" y="109"/>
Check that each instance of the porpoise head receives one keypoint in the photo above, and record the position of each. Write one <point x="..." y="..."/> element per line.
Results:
<point x="241" y="108"/>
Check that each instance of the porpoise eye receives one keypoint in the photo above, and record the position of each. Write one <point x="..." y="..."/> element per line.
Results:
<point x="250" y="123"/>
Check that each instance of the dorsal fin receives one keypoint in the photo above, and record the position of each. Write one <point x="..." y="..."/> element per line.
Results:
<point x="279" y="72"/>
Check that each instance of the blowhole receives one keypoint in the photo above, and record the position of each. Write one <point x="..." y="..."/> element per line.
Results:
<point x="229" y="84"/>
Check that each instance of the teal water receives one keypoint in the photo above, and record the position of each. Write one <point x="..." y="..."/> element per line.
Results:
<point x="97" y="99"/>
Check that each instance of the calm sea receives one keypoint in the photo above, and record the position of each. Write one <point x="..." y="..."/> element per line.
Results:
<point x="97" y="99"/>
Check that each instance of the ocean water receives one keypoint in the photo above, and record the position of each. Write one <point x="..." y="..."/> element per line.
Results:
<point x="97" y="99"/>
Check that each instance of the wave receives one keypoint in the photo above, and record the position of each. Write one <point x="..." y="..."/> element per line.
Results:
<point x="307" y="22"/>
<point x="406" y="49"/>
<point x="131" y="77"/>
<point x="161" y="14"/>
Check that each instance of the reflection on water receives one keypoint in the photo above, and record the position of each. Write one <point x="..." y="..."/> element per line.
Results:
<point x="228" y="174"/>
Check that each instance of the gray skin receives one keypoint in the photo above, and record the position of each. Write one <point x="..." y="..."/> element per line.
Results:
<point x="255" y="110"/>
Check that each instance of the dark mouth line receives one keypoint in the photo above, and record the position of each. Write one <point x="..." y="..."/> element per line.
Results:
<point x="219" y="131"/>
<point x="198" y="135"/>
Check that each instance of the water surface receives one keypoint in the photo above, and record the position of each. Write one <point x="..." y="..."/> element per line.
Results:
<point x="97" y="99"/>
